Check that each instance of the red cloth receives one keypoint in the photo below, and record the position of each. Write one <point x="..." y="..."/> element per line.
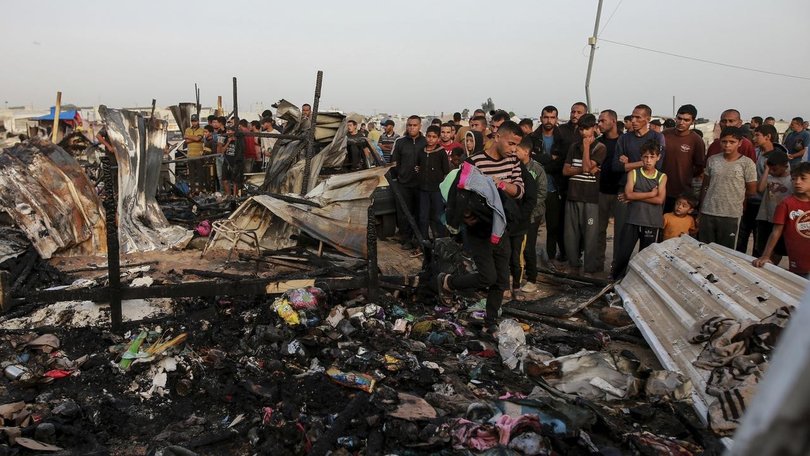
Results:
<point x="450" y="146"/>
<point x="250" y="148"/>
<point x="794" y="214"/>
<point x="746" y="148"/>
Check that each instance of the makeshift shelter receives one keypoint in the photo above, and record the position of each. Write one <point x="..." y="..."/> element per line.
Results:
<point x="69" y="119"/>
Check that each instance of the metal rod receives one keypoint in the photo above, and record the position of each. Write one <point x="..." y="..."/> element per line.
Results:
<point x="311" y="134"/>
<point x="592" y="42"/>
<point x="56" y="111"/>
<point x="235" y="105"/>
<point x="373" y="273"/>
<point x="113" y="260"/>
<point x="260" y="134"/>
<point x="197" y="98"/>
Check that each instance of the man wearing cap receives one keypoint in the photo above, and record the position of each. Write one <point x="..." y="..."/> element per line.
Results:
<point x="657" y="126"/>
<point x="387" y="139"/>
<point x="194" y="142"/>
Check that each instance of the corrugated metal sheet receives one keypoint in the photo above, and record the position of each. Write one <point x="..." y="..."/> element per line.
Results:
<point x="340" y="219"/>
<point x="672" y="285"/>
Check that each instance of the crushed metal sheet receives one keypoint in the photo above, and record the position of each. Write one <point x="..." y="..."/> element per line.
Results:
<point x="672" y="285"/>
<point x="13" y="243"/>
<point x="286" y="171"/>
<point x="340" y="220"/>
<point x="48" y="195"/>
<point x="139" y="147"/>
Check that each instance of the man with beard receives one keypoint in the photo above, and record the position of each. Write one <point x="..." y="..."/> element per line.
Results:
<point x="547" y="150"/>
<point x="568" y="130"/>
<point x="684" y="157"/>
<point x="628" y="154"/>
<point x="609" y="180"/>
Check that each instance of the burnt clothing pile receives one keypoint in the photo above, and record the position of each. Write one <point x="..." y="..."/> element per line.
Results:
<point x="736" y="352"/>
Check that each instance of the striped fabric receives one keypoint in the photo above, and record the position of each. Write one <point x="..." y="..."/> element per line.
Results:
<point x="507" y="169"/>
<point x="577" y="163"/>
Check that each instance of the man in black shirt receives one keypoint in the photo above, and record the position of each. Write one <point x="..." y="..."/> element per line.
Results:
<point x="569" y="135"/>
<point x="547" y="150"/>
<point x="609" y="180"/>
<point x="404" y="156"/>
<point x="357" y="148"/>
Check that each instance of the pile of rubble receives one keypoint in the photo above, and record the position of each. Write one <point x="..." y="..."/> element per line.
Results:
<point x="319" y="339"/>
<point x="310" y="372"/>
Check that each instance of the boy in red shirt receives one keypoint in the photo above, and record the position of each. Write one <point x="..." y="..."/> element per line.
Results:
<point x="792" y="219"/>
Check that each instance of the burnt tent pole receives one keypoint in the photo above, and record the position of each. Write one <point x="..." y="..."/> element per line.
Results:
<point x="197" y="98"/>
<point x="371" y="239"/>
<point x="111" y="222"/>
<point x="310" y="135"/>
<point x="235" y="105"/>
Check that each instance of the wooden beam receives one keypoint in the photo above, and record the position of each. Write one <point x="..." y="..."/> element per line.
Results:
<point x="56" y="111"/>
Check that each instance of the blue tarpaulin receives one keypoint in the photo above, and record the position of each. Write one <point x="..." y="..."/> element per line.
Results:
<point x="63" y="115"/>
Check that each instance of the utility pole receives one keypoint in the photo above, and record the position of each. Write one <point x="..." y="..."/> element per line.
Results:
<point x="592" y="43"/>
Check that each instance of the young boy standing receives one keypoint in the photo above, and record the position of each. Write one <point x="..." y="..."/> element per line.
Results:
<point x="729" y="178"/>
<point x="792" y="219"/>
<point x="582" y="207"/>
<point x="645" y="193"/>
<point x="232" y="166"/>
<point x="519" y="231"/>
<point x="538" y="174"/>
<point x="432" y="167"/>
<point x="775" y="185"/>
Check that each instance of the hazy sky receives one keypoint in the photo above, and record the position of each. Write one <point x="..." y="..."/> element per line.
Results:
<point x="409" y="57"/>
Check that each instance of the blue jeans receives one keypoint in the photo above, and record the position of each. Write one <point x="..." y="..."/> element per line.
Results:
<point x="431" y="208"/>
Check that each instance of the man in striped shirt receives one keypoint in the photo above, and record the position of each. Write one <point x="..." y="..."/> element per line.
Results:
<point x="500" y="162"/>
<point x="492" y="260"/>
<point x="582" y="166"/>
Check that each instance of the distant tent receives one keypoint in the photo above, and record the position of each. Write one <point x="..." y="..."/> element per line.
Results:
<point x="70" y="114"/>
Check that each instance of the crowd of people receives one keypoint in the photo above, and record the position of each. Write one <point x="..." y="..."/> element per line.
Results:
<point x="493" y="183"/>
<point x="218" y="139"/>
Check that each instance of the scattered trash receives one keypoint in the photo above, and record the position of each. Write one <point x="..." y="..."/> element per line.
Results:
<point x="354" y="380"/>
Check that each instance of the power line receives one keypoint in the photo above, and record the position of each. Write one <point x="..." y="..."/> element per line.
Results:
<point x="728" y="65"/>
<point x="611" y="16"/>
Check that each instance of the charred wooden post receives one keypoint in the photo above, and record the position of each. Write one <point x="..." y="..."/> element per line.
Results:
<point x="5" y="292"/>
<point x="409" y="218"/>
<point x="310" y="138"/>
<point x="373" y="274"/>
<point x="113" y="260"/>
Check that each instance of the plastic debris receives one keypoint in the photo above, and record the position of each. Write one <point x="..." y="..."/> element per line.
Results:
<point x="132" y="351"/>
<point x="354" y="380"/>
<point x="286" y="312"/>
